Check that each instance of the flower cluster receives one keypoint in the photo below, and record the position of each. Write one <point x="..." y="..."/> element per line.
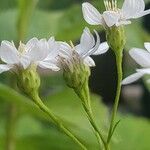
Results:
<point x="49" y="54"/>
<point x="131" y="9"/>
<point x="75" y="60"/>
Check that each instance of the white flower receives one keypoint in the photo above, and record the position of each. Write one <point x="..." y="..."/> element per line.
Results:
<point x="142" y="57"/>
<point x="81" y="52"/>
<point x="44" y="54"/>
<point x="131" y="9"/>
<point x="39" y="52"/>
<point x="12" y="57"/>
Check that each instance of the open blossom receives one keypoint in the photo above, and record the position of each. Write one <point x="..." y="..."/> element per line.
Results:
<point x="142" y="57"/>
<point x="131" y="9"/>
<point x="39" y="52"/>
<point x="44" y="54"/>
<point x="81" y="52"/>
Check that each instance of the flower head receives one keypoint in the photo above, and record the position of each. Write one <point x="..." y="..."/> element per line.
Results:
<point x="42" y="53"/>
<point x="131" y="9"/>
<point x="26" y="59"/>
<point x="76" y="60"/>
<point x="142" y="57"/>
<point x="82" y="51"/>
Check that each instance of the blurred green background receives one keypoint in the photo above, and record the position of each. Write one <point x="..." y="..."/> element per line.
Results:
<point x="23" y="126"/>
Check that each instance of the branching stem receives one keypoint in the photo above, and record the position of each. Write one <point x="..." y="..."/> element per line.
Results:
<point x="57" y="122"/>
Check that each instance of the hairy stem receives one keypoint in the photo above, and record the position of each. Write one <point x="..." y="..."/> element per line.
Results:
<point x="57" y="121"/>
<point x="86" y="103"/>
<point x="116" y="103"/>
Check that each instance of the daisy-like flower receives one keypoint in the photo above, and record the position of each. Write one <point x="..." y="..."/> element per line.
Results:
<point x="75" y="60"/>
<point x="142" y="57"/>
<point x="81" y="52"/>
<point x="131" y="9"/>
<point x="39" y="52"/>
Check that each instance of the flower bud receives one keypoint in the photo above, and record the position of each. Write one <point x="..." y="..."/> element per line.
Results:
<point x="29" y="81"/>
<point x="116" y="38"/>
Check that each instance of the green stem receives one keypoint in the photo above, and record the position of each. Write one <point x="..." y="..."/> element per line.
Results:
<point x="57" y="122"/>
<point x="86" y="103"/>
<point x="116" y="103"/>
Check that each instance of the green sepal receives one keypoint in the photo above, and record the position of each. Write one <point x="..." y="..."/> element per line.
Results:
<point x="76" y="76"/>
<point x="28" y="81"/>
<point x="116" y="38"/>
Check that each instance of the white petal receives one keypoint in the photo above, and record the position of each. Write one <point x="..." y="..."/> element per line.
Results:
<point x="30" y="44"/>
<point x="51" y="40"/>
<point x="141" y="56"/>
<point x="94" y="49"/>
<point x="87" y="42"/>
<point x="111" y="18"/>
<point x="47" y="65"/>
<point x="40" y="51"/>
<point x="4" y="68"/>
<point x="147" y="46"/>
<point x="91" y="14"/>
<point x="132" y="78"/>
<point x="144" y="71"/>
<point x="53" y="48"/>
<point x="9" y="53"/>
<point x="141" y="14"/>
<point x="123" y="22"/>
<point x="132" y="7"/>
<point x="89" y="61"/>
<point x="103" y="48"/>
<point x="25" y="61"/>
<point x="65" y="50"/>
<point x="64" y="46"/>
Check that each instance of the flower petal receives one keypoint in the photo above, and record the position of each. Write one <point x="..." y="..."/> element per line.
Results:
<point x="111" y="18"/>
<point x="103" y="48"/>
<point x="141" y="56"/>
<point x="39" y="51"/>
<point x="47" y="65"/>
<point x="144" y="71"/>
<point x="141" y="14"/>
<point x="94" y="49"/>
<point x="123" y="22"/>
<point x="65" y="50"/>
<point x="87" y="42"/>
<point x="132" y="78"/>
<point x="25" y="61"/>
<point x="89" y="61"/>
<point x="30" y="44"/>
<point x="9" y="53"/>
<point x="131" y="8"/>
<point x="4" y="68"/>
<point x="147" y="46"/>
<point x="91" y="14"/>
<point x="53" y="48"/>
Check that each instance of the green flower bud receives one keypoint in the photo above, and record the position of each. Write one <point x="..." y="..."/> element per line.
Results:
<point x="76" y="73"/>
<point x="28" y="81"/>
<point x="116" y="38"/>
